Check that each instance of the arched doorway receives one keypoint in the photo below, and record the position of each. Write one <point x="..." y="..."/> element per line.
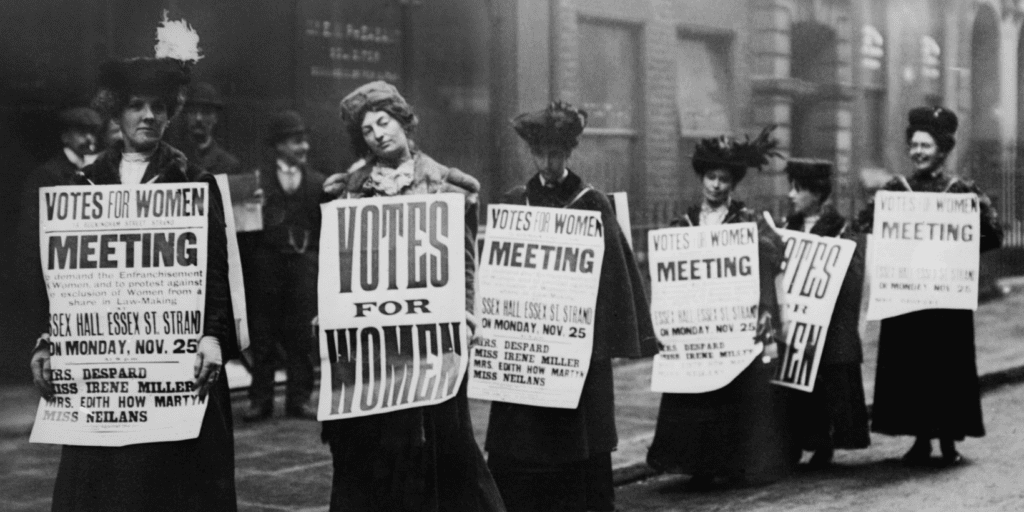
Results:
<point x="984" y="152"/>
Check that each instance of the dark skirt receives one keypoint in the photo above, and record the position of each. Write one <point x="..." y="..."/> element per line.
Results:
<point x="196" y="475"/>
<point x="557" y="487"/>
<point x="834" y="415"/>
<point x="741" y="430"/>
<point x="927" y="380"/>
<point x="421" y="459"/>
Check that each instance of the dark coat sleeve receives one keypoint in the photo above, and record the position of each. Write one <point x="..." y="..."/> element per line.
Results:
<point x="843" y="343"/>
<point x="623" y="315"/>
<point x="991" y="230"/>
<point x="770" y="255"/>
<point x="219" y="317"/>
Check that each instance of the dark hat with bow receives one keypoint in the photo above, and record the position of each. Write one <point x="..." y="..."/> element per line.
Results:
<point x="939" y="122"/>
<point x="560" y="124"/>
<point x="734" y="155"/>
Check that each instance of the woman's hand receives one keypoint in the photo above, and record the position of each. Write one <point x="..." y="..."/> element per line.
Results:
<point x="335" y="184"/>
<point x="42" y="377"/>
<point x="208" y="364"/>
<point x="766" y="335"/>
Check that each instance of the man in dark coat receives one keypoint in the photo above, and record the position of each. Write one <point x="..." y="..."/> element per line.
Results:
<point x="203" y="106"/>
<point x="834" y="415"/>
<point x="560" y="459"/>
<point x="281" y="271"/>
<point x="79" y="128"/>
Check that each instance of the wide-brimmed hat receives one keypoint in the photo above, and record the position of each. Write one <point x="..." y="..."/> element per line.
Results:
<point x="560" y="124"/>
<point x="80" y="117"/>
<point x="203" y="94"/>
<point x="284" y="124"/>
<point x="165" y="75"/>
<point x="734" y="155"/>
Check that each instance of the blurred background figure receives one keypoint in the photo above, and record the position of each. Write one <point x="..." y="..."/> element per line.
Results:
<point x="281" y="271"/>
<point x="79" y="129"/>
<point x="202" y="112"/>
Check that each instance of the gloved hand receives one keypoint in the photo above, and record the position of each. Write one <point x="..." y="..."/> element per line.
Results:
<point x="207" y="367"/>
<point x="42" y="376"/>
<point x="335" y="184"/>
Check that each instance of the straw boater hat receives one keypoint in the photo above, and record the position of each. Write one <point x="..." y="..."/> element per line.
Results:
<point x="83" y="118"/>
<point x="733" y="155"/>
<point x="560" y="124"/>
<point x="165" y="75"/>
<point x="204" y="94"/>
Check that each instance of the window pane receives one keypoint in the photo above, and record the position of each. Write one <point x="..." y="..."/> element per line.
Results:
<point x="608" y="68"/>
<point x="703" y="87"/>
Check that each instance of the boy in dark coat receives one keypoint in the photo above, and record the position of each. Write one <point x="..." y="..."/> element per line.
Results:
<point x="560" y="459"/>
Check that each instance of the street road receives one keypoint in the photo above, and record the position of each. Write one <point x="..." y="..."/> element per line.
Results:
<point x="874" y="479"/>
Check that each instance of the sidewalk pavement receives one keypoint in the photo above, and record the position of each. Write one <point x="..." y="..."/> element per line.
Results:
<point x="1000" y="357"/>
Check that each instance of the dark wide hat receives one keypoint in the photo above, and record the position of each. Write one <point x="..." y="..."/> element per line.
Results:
<point x="203" y="94"/>
<point x="808" y="169"/>
<point x="937" y="119"/>
<point x="368" y="95"/>
<point x="560" y="124"/>
<point x="165" y="75"/>
<point x="80" y="117"/>
<point x="284" y="124"/>
<point x="733" y="155"/>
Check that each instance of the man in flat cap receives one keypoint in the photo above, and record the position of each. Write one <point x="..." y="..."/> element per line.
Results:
<point x="281" y="271"/>
<point x="202" y="113"/>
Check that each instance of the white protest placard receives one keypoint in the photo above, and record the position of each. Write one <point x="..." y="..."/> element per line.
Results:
<point x="235" y="281"/>
<point x="125" y="271"/>
<point x="923" y="253"/>
<point x="814" y="268"/>
<point x="392" y="303"/>
<point x="705" y="291"/>
<point x="539" y="274"/>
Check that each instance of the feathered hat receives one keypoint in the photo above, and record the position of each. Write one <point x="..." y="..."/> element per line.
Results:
<point x="165" y="75"/>
<point x="560" y="124"/>
<point x="733" y="155"/>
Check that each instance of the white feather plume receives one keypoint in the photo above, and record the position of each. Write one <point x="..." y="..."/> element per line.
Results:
<point x="177" y="40"/>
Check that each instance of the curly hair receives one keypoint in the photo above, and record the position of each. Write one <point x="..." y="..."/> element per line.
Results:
<point x="399" y="110"/>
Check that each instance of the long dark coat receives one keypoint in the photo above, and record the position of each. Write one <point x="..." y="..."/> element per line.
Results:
<point x="54" y="172"/>
<point x="835" y="415"/>
<point x="742" y="429"/>
<point x="560" y="459"/>
<point x="927" y="379"/>
<point x="191" y="475"/>
<point x="424" y="458"/>
<point x="622" y="329"/>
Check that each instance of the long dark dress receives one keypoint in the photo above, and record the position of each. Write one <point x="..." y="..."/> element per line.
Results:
<point x="742" y="429"/>
<point x="423" y="458"/>
<point x="927" y="379"/>
<point x="191" y="475"/>
<point x="560" y="459"/>
<point x="834" y="415"/>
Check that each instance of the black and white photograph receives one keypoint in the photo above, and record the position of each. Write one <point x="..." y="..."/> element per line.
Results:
<point x="511" y="255"/>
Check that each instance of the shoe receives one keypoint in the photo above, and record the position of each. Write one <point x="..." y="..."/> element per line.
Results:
<point x="949" y="460"/>
<point x="301" y="411"/>
<point x="919" y="455"/>
<point x="822" y="458"/>
<point x="258" y="412"/>
<point x="700" y="483"/>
